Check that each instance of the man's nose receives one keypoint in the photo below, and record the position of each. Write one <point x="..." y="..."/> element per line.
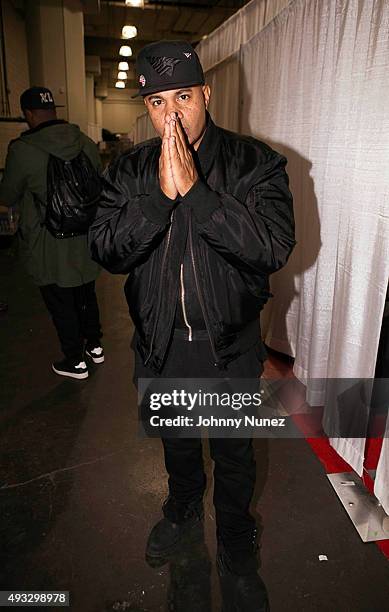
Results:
<point x="172" y="109"/>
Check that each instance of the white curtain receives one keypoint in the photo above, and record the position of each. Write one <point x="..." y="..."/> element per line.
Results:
<point x="238" y="29"/>
<point x="143" y="129"/>
<point x="224" y="103"/>
<point x="314" y="84"/>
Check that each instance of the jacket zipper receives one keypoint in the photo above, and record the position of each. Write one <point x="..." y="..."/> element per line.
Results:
<point x="160" y="289"/>
<point x="190" y="338"/>
<point x="199" y="294"/>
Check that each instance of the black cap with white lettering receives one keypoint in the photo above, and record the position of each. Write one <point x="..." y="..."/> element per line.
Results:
<point x="37" y="98"/>
<point x="167" y="64"/>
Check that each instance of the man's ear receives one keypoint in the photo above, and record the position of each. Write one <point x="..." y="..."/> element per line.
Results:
<point x="27" y="115"/>
<point x="207" y="94"/>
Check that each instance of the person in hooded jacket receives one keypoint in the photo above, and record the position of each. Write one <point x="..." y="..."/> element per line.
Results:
<point x="62" y="268"/>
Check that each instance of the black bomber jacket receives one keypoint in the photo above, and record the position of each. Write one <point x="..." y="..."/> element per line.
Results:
<point x="236" y="221"/>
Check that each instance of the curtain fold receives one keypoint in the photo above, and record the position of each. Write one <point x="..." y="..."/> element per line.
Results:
<point x="143" y="129"/>
<point x="237" y="30"/>
<point x="314" y="87"/>
<point x="224" y="107"/>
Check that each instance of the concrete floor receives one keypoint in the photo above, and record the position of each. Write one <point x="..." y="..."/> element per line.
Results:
<point x="79" y="490"/>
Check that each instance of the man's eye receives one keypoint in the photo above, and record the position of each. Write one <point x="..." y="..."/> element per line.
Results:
<point x="156" y="102"/>
<point x="184" y="97"/>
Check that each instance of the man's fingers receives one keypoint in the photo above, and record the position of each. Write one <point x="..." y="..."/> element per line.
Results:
<point x="181" y="134"/>
<point x="165" y="141"/>
<point x="173" y="148"/>
<point x="164" y="159"/>
<point x="175" y="160"/>
<point x="177" y="130"/>
<point x="166" y="179"/>
<point x="180" y="129"/>
<point x="172" y="127"/>
<point x="178" y="141"/>
<point x="163" y="151"/>
<point x="166" y="131"/>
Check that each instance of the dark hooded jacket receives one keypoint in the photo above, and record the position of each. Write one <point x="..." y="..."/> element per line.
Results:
<point x="235" y="226"/>
<point x="67" y="262"/>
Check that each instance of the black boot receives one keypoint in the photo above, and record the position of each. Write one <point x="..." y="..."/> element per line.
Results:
<point x="242" y="588"/>
<point x="180" y="524"/>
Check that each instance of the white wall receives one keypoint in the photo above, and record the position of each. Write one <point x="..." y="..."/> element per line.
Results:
<point x="120" y="111"/>
<point x="56" y="54"/>
<point x="94" y="125"/>
<point x="46" y="46"/>
<point x="16" y="55"/>
<point x="99" y="112"/>
<point x="9" y="131"/>
<point x="17" y="73"/>
<point x="75" y="62"/>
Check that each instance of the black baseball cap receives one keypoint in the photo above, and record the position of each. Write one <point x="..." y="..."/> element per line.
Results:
<point x="37" y="98"/>
<point x="167" y="64"/>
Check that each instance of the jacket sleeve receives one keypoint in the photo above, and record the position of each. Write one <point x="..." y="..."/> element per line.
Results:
<point x="14" y="179"/>
<point x="127" y="227"/>
<point x="256" y="236"/>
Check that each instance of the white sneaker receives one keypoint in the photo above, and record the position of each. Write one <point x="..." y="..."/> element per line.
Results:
<point x="96" y="353"/>
<point x="71" y="369"/>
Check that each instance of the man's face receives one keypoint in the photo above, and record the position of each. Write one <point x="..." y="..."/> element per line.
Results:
<point x="189" y="103"/>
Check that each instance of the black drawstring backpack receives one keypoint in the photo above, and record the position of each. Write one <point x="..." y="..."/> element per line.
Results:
<point x="73" y="192"/>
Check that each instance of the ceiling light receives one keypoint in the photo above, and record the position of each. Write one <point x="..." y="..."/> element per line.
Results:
<point x="123" y="66"/>
<point x="120" y="84"/>
<point x="129" y="31"/>
<point x="122" y="75"/>
<point x="135" y="3"/>
<point x="125" y="51"/>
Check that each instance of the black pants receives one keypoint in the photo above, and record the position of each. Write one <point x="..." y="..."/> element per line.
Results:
<point x="75" y="314"/>
<point x="234" y="470"/>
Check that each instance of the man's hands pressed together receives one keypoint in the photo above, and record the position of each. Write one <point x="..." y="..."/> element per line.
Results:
<point x="166" y="179"/>
<point x="177" y="171"/>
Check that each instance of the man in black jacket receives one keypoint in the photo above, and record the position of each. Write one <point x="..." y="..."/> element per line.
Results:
<point x="198" y="219"/>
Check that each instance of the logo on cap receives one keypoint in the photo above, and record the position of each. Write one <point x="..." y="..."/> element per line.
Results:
<point x="163" y="65"/>
<point x="46" y="97"/>
<point x="142" y="80"/>
<point x="188" y="55"/>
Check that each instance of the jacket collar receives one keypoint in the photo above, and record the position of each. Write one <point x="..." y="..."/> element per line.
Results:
<point x="206" y="152"/>
<point x="44" y="125"/>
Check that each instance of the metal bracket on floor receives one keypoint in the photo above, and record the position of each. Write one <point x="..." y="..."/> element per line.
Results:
<point x="363" y="508"/>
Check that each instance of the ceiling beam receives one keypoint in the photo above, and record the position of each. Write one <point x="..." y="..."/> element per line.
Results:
<point x="171" y="6"/>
